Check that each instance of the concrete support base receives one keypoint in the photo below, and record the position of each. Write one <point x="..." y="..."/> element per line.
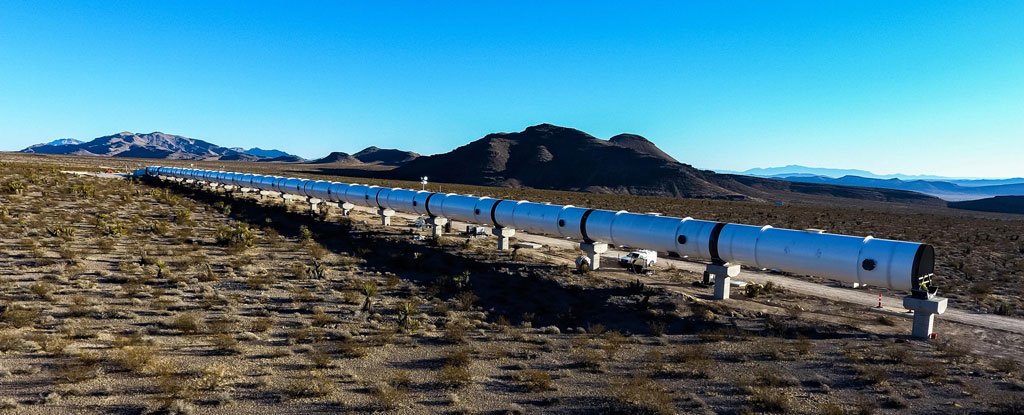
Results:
<point x="314" y="205"/>
<point x="593" y="250"/>
<point x="504" y="235"/>
<point x="924" y="314"/>
<point x="437" y="225"/>
<point x="722" y="275"/>
<point x="346" y="208"/>
<point x="385" y="216"/>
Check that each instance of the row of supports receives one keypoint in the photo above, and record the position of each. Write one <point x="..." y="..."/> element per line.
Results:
<point x="924" y="305"/>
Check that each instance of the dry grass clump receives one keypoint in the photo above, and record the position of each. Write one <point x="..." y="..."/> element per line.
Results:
<point x="316" y="385"/>
<point x="770" y="400"/>
<point x="387" y="397"/>
<point x="534" y="380"/>
<point x="136" y="358"/>
<point x="187" y="323"/>
<point x="640" y="395"/>
<point x="20" y="316"/>
<point x="455" y="373"/>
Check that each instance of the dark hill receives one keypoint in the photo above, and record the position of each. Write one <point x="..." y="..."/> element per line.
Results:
<point x="1000" y="204"/>
<point x="337" y="157"/>
<point x="385" y="156"/>
<point x="551" y="157"/>
<point x="284" y="159"/>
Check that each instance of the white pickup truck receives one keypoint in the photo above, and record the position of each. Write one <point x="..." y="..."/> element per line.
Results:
<point x="642" y="258"/>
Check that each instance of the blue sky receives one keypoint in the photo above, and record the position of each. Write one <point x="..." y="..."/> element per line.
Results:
<point x="929" y="87"/>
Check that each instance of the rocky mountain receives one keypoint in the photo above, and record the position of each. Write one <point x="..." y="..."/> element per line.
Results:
<point x="151" y="145"/>
<point x="999" y="204"/>
<point x="551" y="157"/>
<point x="385" y="156"/>
<point x="55" y="143"/>
<point x="640" y="145"/>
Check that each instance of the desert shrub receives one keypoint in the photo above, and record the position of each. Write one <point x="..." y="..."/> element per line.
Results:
<point x="321" y="318"/>
<point x="43" y="290"/>
<point x="226" y="344"/>
<point x="11" y="341"/>
<point x="388" y="398"/>
<point x="188" y="323"/>
<point x="769" y="400"/>
<point x="317" y="384"/>
<point x="534" y="380"/>
<point x="640" y="395"/>
<point x="50" y="343"/>
<point x="215" y="377"/>
<point x="455" y="332"/>
<point x="871" y="375"/>
<point x="65" y="232"/>
<point x="20" y="316"/>
<point x="954" y="350"/>
<point x="454" y="377"/>
<point x="261" y="325"/>
<point x="135" y="358"/>
<point x="613" y="342"/>
<point x="460" y="357"/>
<point x="320" y="359"/>
<point x="238" y="236"/>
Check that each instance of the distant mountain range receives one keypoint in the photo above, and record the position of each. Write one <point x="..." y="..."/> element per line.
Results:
<point x="152" y="145"/>
<point x="794" y="170"/>
<point x="155" y="145"/>
<point x="941" y="189"/>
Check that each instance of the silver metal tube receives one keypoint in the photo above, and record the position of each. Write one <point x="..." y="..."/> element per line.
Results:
<point x="865" y="260"/>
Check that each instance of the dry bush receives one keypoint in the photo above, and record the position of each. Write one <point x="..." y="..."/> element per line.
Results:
<point x="387" y="397"/>
<point x="11" y="341"/>
<point x="261" y="325"/>
<point x="315" y="385"/>
<point x="226" y="344"/>
<point x="461" y="357"/>
<point x="640" y="395"/>
<point x="871" y="375"/>
<point x="534" y="380"/>
<point x="20" y="316"/>
<point x="320" y="359"/>
<point x="455" y="332"/>
<point x="135" y="358"/>
<point x="43" y="290"/>
<point x="188" y="323"/>
<point x="769" y="400"/>
<point x="954" y="350"/>
<point x="215" y="377"/>
<point x="454" y="377"/>
<point x="50" y="343"/>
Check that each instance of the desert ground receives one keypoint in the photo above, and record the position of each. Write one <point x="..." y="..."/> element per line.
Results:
<point x="122" y="296"/>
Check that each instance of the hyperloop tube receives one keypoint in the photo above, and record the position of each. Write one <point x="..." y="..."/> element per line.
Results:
<point x="865" y="260"/>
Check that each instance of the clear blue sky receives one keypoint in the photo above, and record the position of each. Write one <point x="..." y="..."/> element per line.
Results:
<point x="933" y="87"/>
